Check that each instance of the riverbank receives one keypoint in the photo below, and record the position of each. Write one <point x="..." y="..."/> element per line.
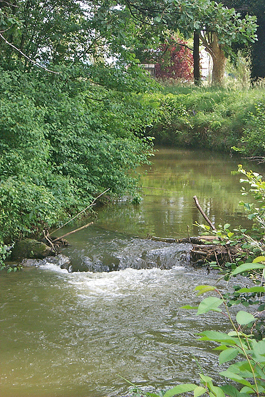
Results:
<point x="68" y="154"/>
<point x="211" y="118"/>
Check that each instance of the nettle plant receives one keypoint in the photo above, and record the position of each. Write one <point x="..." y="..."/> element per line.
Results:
<point x="238" y="345"/>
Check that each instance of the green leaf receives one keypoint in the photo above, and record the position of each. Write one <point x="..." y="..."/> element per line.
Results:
<point x="210" y="303"/>
<point x="235" y="377"/>
<point x="244" y="318"/>
<point x="232" y="391"/>
<point x="189" y="307"/>
<point x="218" y="337"/>
<point x="205" y="378"/>
<point x="227" y="355"/>
<point x="246" y="267"/>
<point x="259" y="348"/>
<point x="199" y="391"/>
<point x="252" y="289"/>
<point x="246" y="391"/>
<point x="204" y="288"/>
<point x="259" y="259"/>
<point x="157" y="19"/>
<point x="217" y="391"/>
<point x="180" y="389"/>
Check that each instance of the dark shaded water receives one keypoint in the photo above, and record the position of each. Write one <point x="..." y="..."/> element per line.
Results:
<point x="74" y="334"/>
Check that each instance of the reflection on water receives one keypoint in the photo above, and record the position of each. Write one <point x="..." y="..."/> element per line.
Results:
<point x="169" y="185"/>
<point x="74" y="334"/>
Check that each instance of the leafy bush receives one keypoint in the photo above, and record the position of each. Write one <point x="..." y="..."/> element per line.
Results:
<point x="205" y="117"/>
<point x="64" y="140"/>
<point x="253" y="139"/>
<point x="243" y="347"/>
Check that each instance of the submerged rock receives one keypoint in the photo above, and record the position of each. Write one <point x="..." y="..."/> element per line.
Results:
<point x="31" y="249"/>
<point x="60" y="260"/>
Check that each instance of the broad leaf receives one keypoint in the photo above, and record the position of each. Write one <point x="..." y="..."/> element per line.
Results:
<point x="180" y="389"/>
<point x="232" y="391"/>
<point x="227" y="355"/>
<point x="218" y="392"/>
<point x="252" y="289"/>
<point x="259" y="259"/>
<point x="199" y="391"/>
<point x="204" y="288"/>
<point x="244" y="318"/>
<point x="246" y="267"/>
<point x="210" y="303"/>
<point x="205" y="378"/>
<point x="218" y="337"/>
<point x="235" y="377"/>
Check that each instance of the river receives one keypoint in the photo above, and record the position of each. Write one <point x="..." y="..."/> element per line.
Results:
<point x="81" y="334"/>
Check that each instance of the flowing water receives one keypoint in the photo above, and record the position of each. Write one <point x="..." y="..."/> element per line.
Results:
<point x="80" y="334"/>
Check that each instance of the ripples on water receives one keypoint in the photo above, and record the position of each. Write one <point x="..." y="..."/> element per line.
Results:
<point x="74" y="334"/>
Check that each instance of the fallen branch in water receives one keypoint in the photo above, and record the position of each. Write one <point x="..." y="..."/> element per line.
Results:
<point x="74" y="231"/>
<point x="203" y="213"/>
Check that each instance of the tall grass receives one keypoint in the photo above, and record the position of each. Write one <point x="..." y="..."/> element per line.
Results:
<point x="214" y="118"/>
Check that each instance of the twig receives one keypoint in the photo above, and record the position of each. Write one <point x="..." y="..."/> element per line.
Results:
<point x="90" y="205"/>
<point x="203" y="213"/>
<point x="216" y="258"/>
<point x="74" y="231"/>
<point x="49" y="240"/>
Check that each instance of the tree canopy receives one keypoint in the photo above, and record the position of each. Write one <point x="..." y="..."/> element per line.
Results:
<point x="52" y="32"/>
<point x="217" y="26"/>
<point x="74" y="110"/>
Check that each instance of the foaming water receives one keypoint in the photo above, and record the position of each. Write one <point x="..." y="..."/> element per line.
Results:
<point x="75" y="334"/>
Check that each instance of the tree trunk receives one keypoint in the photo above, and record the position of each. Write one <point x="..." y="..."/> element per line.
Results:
<point x="196" y="59"/>
<point x="219" y="62"/>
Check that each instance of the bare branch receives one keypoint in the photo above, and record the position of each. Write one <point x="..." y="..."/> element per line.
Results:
<point x="25" y="56"/>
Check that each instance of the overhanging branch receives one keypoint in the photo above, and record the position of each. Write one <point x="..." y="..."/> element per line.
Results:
<point x="25" y="56"/>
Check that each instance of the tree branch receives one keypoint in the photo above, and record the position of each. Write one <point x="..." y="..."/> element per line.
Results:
<point x="25" y="56"/>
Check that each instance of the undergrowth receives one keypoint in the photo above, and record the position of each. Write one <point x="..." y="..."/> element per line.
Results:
<point x="212" y="118"/>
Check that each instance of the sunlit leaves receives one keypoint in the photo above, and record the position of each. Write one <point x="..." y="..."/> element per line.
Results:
<point x="180" y="389"/>
<point x="204" y="288"/>
<point x="244" y="318"/>
<point x="218" y="337"/>
<point x="227" y="355"/>
<point x="246" y="267"/>
<point x="208" y="304"/>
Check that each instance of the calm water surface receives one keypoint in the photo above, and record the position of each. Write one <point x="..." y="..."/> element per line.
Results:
<point x="76" y="334"/>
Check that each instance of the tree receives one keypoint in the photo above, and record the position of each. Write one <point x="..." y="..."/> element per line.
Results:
<point x="66" y="135"/>
<point x="257" y="8"/>
<point x="218" y="26"/>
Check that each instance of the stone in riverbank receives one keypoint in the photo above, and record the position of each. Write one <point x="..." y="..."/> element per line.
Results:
<point x="32" y="249"/>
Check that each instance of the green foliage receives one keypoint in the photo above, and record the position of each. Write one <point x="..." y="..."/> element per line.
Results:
<point x="204" y="117"/>
<point x="256" y="210"/>
<point x="63" y="141"/>
<point x="243" y="353"/>
<point x="253" y="139"/>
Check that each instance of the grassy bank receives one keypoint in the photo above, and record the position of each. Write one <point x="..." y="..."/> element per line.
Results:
<point x="211" y="118"/>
